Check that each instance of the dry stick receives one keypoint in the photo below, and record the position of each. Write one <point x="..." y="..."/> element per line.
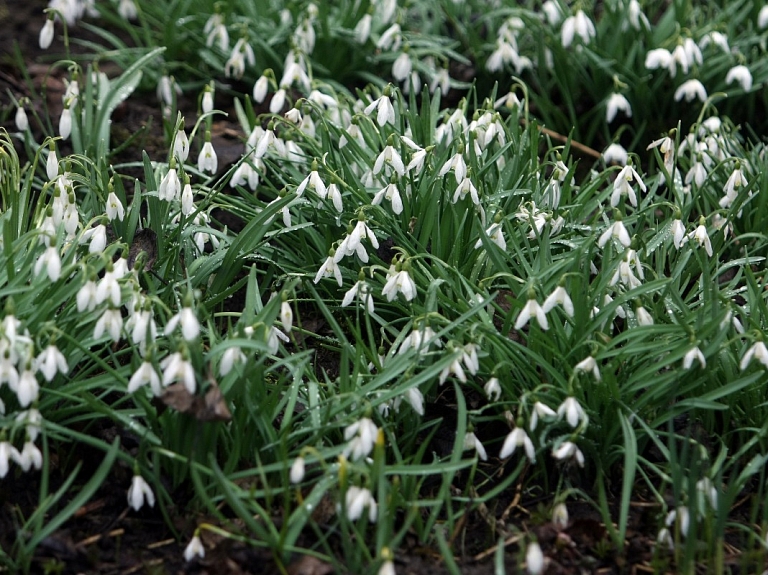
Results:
<point x="584" y="149"/>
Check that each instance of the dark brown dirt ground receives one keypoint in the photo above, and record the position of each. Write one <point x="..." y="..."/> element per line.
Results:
<point x="106" y="537"/>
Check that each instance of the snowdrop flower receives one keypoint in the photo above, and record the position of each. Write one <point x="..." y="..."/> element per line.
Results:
<point x="391" y="193"/>
<point x="127" y="9"/>
<point x="390" y="39"/>
<point x="518" y="438"/>
<point x="260" y="88"/>
<point x="46" y="33"/>
<point x="216" y="32"/>
<point x="7" y="452"/>
<point x="540" y="410"/>
<point x="363" y="29"/>
<point x="455" y="368"/>
<point x="402" y="66"/>
<point x="385" y="112"/>
<point x="30" y="456"/>
<point x="660" y="58"/>
<point x="678" y="233"/>
<point x="577" y="24"/>
<point x="642" y="316"/>
<point x="314" y="182"/>
<point x="617" y="103"/>
<point x="694" y="354"/>
<point x="615" y="231"/>
<point x="52" y="164"/>
<point x="762" y="17"/>
<point x="139" y="492"/>
<point x="361" y="437"/>
<point x="297" y="470"/>
<point x="194" y="549"/>
<point x="390" y="157"/>
<point x="190" y="327"/>
<point x="569" y="450"/>
<point x="357" y="499"/>
<point x="621" y="185"/>
<point x="178" y="368"/>
<point x="146" y="374"/>
<point x="552" y="12"/>
<point x="170" y="187"/>
<point x="572" y="411"/>
<point x="560" y="516"/>
<point x="466" y="187"/>
<point x="496" y="234"/>
<point x="472" y="442"/>
<point x="27" y="389"/>
<point x="329" y="268"/>
<point x="229" y="358"/>
<point x="115" y="208"/>
<point x="241" y="54"/>
<point x="757" y="351"/>
<point x="532" y="309"/>
<point x="615" y="154"/>
<point x="700" y="235"/>
<point x="689" y="90"/>
<point x="22" y="122"/>
<point x="635" y="17"/>
<point x="741" y="75"/>
<point x="588" y="365"/>
<point x="399" y="282"/>
<point x="457" y="164"/>
<point x="534" y="559"/>
<point x="50" y="361"/>
<point x="51" y="261"/>
<point x="181" y="145"/>
<point x="561" y="297"/>
<point x="492" y="389"/>
<point x="110" y="321"/>
<point x="207" y="161"/>
<point x="361" y="291"/>
<point x="681" y="516"/>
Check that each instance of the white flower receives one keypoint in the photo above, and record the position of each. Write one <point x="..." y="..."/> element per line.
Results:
<point x="643" y="317"/>
<point x="207" y="160"/>
<point x="617" y="102"/>
<point x="108" y="289"/>
<point x="97" y="237"/>
<point x="560" y="516"/>
<point x="457" y="164"/>
<point x="329" y="268"/>
<point x="177" y="368"/>
<point x="496" y="234"/>
<point x="759" y="352"/>
<point x="297" y="470"/>
<point x="22" y="122"/>
<point x="7" y="452"/>
<point x="357" y="499"/>
<point x="615" y="154"/>
<point x="577" y="24"/>
<point x="170" y="187"/>
<point x="362" y="292"/>
<point x="50" y="361"/>
<point x="207" y="101"/>
<point x="138" y="492"/>
<point x="472" y="442"/>
<point x="402" y="66"/>
<point x="517" y="438"/>
<point x="391" y="193"/>
<point x="717" y="38"/>
<point x="30" y="456"/>
<point x="399" y="282"/>
<point x="455" y="368"/>
<point x="181" y="146"/>
<point x="532" y="309"/>
<point x="363" y="29"/>
<point x="52" y="165"/>
<point x="127" y="9"/>
<point x="700" y="235"/>
<point x="51" y="261"/>
<point x="27" y="389"/>
<point x="464" y="187"/>
<point x="361" y="437"/>
<point x="551" y="9"/>
<point x="110" y="321"/>
<point x="194" y="549"/>
<point x="572" y="411"/>
<point x="492" y="389"/>
<point x="534" y="559"/>
<point x="385" y="112"/>
<point x="190" y="327"/>
<point x="115" y="208"/>
<point x="741" y="75"/>
<point x="558" y="296"/>
<point x="229" y="358"/>
<point x="569" y="450"/>
<point x="660" y="58"/>
<point x="146" y="374"/>
<point x="621" y="186"/>
<point x="694" y="354"/>
<point x="588" y="365"/>
<point x="635" y="17"/>
<point x="260" y="89"/>
<point x="691" y="89"/>
<point x="616" y="231"/>
<point x="390" y="157"/>
<point x="334" y="194"/>
<point x="46" y="34"/>
<point x="762" y="17"/>
<point x="681" y="516"/>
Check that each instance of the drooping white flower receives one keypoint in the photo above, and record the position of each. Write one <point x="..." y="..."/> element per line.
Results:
<point x="329" y="268"/>
<point x="361" y="291"/>
<point x="357" y="499"/>
<point x="561" y="297"/>
<point x="97" y="238"/>
<point x="29" y="456"/>
<point x="472" y="442"/>
<point x="170" y="187"/>
<point x="186" y="318"/>
<point x="51" y="361"/>
<point x="194" y="549"/>
<point x="127" y="9"/>
<point x="577" y="24"/>
<point x="615" y="154"/>
<point x="46" y="34"/>
<point x="115" y="208"/>
<point x="399" y="282"/>
<point x="177" y="368"/>
<point x="361" y="437"/>
<point x="642" y="316"/>
<point x="492" y="389"/>
<point x="363" y="29"/>
<point x="534" y="559"/>
<point x="691" y="89"/>
<point x="181" y="145"/>
<point x="762" y="18"/>
<point x="532" y="309"/>
<point x="385" y="112"/>
<point x="681" y="517"/>
<point x="617" y="103"/>
<point x="51" y="262"/>
<point x="207" y="161"/>
<point x="260" y="89"/>
<point x="229" y="358"/>
<point x="741" y="75"/>
<point x="389" y="157"/>
<point x="560" y="515"/>
<point x="518" y="438"/>
<point x="111" y="321"/>
<point x="588" y="365"/>
<point x="621" y="185"/>
<point x="660" y="58"/>
<point x="758" y="351"/>
<point x="616" y="231"/>
<point x="7" y="453"/>
<point x="569" y="450"/>
<point x="572" y="411"/>
<point x="296" y="474"/>
<point x="635" y="17"/>
<point x="146" y="374"/>
<point x="391" y="193"/>
<point x="27" y="389"/>
<point x="702" y="237"/>
<point x="678" y="233"/>
<point x="139" y="492"/>
<point x="692" y="355"/>
<point x="540" y="410"/>
<point x="453" y="368"/>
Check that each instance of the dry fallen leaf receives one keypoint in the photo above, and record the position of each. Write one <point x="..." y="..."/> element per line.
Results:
<point x="211" y="407"/>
